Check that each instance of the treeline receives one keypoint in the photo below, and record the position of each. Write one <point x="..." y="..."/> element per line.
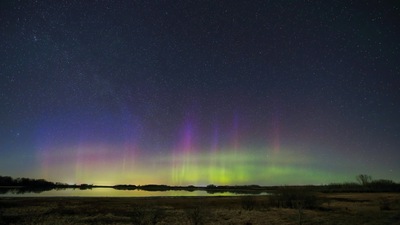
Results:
<point x="364" y="183"/>
<point x="6" y="181"/>
<point x="27" y="185"/>
<point x="211" y="189"/>
<point x="380" y="185"/>
<point x="9" y="182"/>
<point x="155" y="187"/>
<point x="241" y="189"/>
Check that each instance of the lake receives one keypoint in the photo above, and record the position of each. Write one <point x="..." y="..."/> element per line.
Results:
<point x="111" y="192"/>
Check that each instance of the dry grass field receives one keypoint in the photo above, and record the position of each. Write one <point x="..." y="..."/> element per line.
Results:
<point x="340" y="208"/>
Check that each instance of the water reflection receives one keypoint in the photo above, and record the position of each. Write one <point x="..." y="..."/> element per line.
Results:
<point x="103" y="192"/>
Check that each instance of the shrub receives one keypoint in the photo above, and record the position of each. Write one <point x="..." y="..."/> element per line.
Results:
<point x="384" y="204"/>
<point x="248" y="203"/>
<point x="138" y="216"/>
<point x="288" y="197"/>
<point x="1" y="215"/>
<point x="195" y="215"/>
<point x="364" y="179"/>
<point x="157" y="215"/>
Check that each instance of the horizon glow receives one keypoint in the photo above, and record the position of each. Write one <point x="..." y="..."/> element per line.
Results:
<point x="98" y="164"/>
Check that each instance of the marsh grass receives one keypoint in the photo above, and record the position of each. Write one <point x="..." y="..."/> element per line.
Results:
<point x="249" y="202"/>
<point x="196" y="215"/>
<point x="294" y="198"/>
<point x="1" y="214"/>
<point x="139" y="215"/>
<point x="157" y="215"/>
<point x="345" y="208"/>
<point x="384" y="204"/>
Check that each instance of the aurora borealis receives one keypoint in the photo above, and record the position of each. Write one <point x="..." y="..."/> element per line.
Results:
<point x="197" y="93"/>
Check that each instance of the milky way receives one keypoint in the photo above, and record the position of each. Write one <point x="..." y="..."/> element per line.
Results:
<point x="210" y="92"/>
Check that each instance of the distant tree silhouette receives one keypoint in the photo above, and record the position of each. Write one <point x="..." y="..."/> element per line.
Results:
<point x="384" y="185"/>
<point x="24" y="182"/>
<point x="364" y="179"/>
<point x="6" y="181"/>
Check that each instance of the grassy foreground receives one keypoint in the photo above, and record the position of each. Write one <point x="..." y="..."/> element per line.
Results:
<point x="337" y="208"/>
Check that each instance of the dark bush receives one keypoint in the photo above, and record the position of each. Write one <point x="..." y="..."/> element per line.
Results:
<point x="195" y="215"/>
<point x="293" y="197"/>
<point x="384" y="204"/>
<point x="248" y="203"/>
<point x="384" y="186"/>
<point x="138" y="216"/>
<point x="157" y="215"/>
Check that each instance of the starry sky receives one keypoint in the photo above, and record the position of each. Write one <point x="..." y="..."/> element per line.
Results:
<point x="200" y="92"/>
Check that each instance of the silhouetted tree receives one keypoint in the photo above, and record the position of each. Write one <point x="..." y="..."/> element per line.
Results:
<point x="364" y="179"/>
<point x="6" y="181"/>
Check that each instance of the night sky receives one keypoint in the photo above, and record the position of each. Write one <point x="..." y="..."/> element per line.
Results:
<point x="200" y="92"/>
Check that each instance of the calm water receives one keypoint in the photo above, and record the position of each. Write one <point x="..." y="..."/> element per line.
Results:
<point x="110" y="192"/>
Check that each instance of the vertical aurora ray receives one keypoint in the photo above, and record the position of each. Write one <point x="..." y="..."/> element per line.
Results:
<point x="212" y="160"/>
<point x="221" y="160"/>
<point x="77" y="155"/>
<point x="235" y="147"/>
<point x="242" y="168"/>
<point x="100" y="149"/>
<point x="274" y="130"/>
<point x="97" y="164"/>
<point x="276" y="141"/>
<point x="182" y="154"/>
<point x="235" y="132"/>
<point x="130" y="155"/>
